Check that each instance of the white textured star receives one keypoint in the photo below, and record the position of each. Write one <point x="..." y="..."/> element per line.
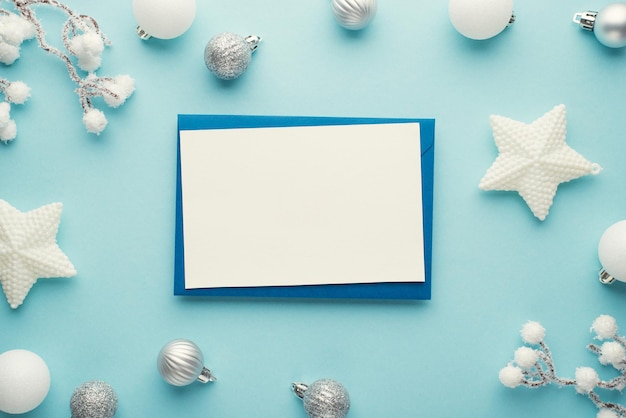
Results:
<point x="534" y="159"/>
<point x="28" y="249"/>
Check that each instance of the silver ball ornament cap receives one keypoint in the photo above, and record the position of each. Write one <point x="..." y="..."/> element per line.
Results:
<point x="324" y="398"/>
<point x="180" y="363"/>
<point x="93" y="399"/>
<point x="228" y="55"/>
<point x="608" y="25"/>
<point x="354" y="14"/>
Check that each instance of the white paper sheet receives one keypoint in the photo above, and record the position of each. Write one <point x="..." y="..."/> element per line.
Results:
<point x="302" y="205"/>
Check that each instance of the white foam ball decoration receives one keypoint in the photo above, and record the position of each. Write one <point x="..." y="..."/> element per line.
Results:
<point x="88" y="48"/>
<point x="95" y="121"/>
<point x="605" y="327"/>
<point x="533" y="332"/>
<point x="164" y="19"/>
<point x="586" y="379"/>
<point x="15" y="29"/>
<point x="480" y="19"/>
<point x="8" y="132"/>
<point x="611" y="353"/>
<point x="526" y="357"/>
<point x="5" y="116"/>
<point x="24" y="381"/>
<point x="606" y="413"/>
<point x="611" y="250"/>
<point x="8" y="53"/>
<point x="17" y="92"/>
<point x="511" y="376"/>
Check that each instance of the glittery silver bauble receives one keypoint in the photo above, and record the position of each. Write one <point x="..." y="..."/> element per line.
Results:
<point x="324" y="398"/>
<point x="94" y="399"/>
<point x="181" y="363"/>
<point x="354" y="14"/>
<point x="228" y="55"/>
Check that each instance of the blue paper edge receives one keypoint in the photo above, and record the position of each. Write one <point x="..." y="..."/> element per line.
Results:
<point x="413" y="290"/>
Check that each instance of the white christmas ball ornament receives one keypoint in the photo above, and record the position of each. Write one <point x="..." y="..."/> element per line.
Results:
<point x="24" y="381"/>
<point x="354" y="14"/>
<point x="480" y="19"/>
<point x="608" y="25"/>
<point x="612" y="253"/>
<point x="163" y="19"/>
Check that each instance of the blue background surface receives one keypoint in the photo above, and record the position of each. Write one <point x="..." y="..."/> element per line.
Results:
<point x="494" y="265"/>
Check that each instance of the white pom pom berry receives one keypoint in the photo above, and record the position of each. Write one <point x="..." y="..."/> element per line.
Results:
<point x="605" y="327"/>
<point x="533" y="332"/>
<point x="511" y="376"/>
<point x="95" y="121"/>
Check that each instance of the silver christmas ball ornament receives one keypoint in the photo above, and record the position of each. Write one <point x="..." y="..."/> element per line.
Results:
<point x="181" y="363"/>
<point x="608" y="25"/>
<point x="324" y="398"/>
<point x="93" y="399"/>
<point x="227" y="55"/>
<point x="354" y="14"/>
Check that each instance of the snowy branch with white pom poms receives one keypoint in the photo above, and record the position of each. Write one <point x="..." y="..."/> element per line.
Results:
<point x="83" y="42"/>
<point x="534" y="367"/>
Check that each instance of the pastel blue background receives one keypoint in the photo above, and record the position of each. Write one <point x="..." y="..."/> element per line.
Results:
<point x="495" y="266"/>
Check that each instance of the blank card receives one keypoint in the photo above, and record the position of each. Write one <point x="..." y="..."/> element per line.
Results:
<point x="302" y="205"/>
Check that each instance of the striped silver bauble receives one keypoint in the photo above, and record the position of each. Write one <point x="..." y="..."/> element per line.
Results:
<point x="354" y="14"/>
<point x="181" y="363"/>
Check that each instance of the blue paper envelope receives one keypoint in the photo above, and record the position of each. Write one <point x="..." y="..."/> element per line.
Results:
<point x="385" y="290"/>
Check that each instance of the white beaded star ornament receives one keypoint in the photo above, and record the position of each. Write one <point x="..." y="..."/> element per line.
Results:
<point x="534" y="159"/>
<point x="29" y="250"/>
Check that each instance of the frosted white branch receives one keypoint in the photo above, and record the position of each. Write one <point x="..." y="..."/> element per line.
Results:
<point x="83" y="45"/>
<point x="534" y="367"/>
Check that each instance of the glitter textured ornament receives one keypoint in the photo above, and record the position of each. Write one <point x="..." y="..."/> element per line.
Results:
<point x="608" y="25"/>
<point x="227" y="55"/>
<point x="181" y="363"/>
<point x="93" y="399"/>
<point x="324" y="398"/>
<point x="534" y="159"/>
<point x="354" y="14"/>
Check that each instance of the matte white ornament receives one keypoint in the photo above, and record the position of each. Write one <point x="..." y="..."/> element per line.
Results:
<point x="181" y="363"/>
<point x="163" y="19"/>
<point x="608" y="25"/>
<point x="612" y="253"/>
<point x="480" y="19"/>
<point x="354" y="14"/>
<point x="28" y="249"/>
<point x="534" y="159"/>
<point x="24" y="381"/>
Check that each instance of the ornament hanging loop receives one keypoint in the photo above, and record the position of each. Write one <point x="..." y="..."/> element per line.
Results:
<point x="206" y="376"/>
<point x="605" y="277"/>
<point x="143" y="35"/>
<point x="299" y="389"/>
<point x="586" y="20"/>
<point x="253" y="42"/>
